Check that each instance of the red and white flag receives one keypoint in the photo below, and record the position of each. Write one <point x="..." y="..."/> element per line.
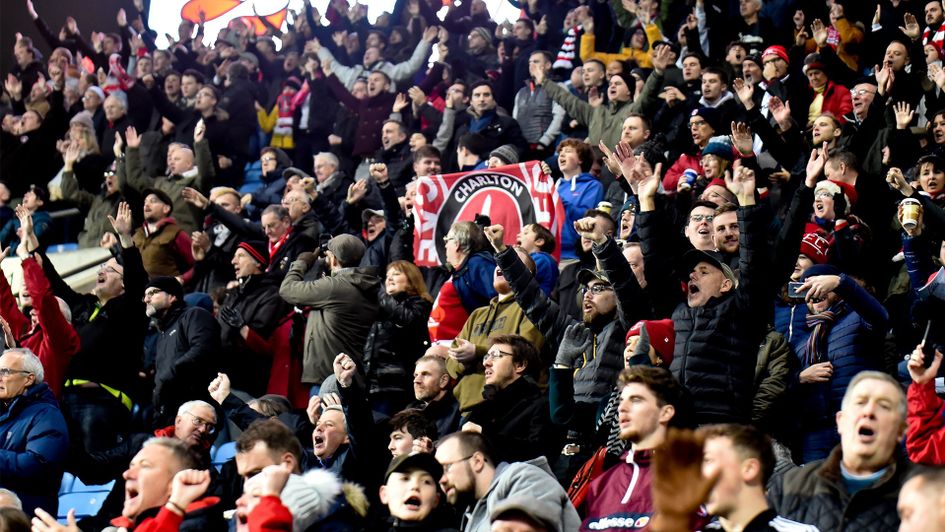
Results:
<point x="512" y="196"/>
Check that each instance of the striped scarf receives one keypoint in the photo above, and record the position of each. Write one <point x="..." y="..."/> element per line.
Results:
<point x="615" y="446"/>
<point x="567" y="53"/>
<point x="817" y="343"/>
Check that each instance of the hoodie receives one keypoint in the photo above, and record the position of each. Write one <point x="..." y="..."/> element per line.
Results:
<point x="578" y="194"/>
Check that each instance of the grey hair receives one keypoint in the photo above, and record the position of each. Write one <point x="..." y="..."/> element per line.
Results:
<point x="469" y="237"/>
<point x="121" y="97"/>
<point x="189" y="405"/>
<point x="15" y="501"/>
<point x="328" y="156"/>
<point x="879" y="376"/>
<point x="278" y="211"/>
<point x="31" y="362"/>
<point x="186" y="458"/>
<point x="338" y="408"/>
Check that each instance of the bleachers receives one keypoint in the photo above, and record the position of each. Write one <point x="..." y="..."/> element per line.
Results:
<point x="85" y="499"/>
<point x="222" y="454"/>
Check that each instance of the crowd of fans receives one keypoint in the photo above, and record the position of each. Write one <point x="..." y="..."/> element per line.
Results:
<point x="739" y="324"/>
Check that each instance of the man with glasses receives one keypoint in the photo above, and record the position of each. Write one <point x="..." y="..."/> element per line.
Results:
<point x="36" y="442"/>
<point x="475" y="482"/>
<point x="514" y="417"/>
<point x="195" y="426"/>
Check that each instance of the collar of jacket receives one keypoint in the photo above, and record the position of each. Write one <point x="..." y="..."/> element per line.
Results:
<point x="641" y="457"/>
<point x="124" y="522"/>
<point x="158" y="226"/>
<point x="170" y="315"/>
<point x="330" y="184"/>
<point x="830" y="471"/>
<point x="518" y="389"/>
<point x="34" y="394"/>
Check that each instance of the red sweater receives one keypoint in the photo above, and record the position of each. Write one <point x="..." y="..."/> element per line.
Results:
<point x="285" y="373"/>
<point x="54" y="341"/>
<point x="925" y="440"/>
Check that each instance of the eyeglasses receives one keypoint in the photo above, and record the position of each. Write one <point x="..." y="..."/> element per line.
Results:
<point x="495" y="354"/>
<point x="202" y="423"/>
<point x="449" y="465"/>
<point x="823" y="194"/>
<point x="697" y="124"/>
<point x="861" y="92"/>
<point x="152" y="292"/>
<point x="108" y="269"/>
<point x="6" y="372"/>
<point x="267" y="159"/>
<point x="700" y="217"/>
<point x="597" y="289"/>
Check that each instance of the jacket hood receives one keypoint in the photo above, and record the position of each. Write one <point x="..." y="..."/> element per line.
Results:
<point x="363" y="277"/>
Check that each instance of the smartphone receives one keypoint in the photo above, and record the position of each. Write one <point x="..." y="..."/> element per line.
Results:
<point x="793" y="290"/>
<point x="928" y="349"/>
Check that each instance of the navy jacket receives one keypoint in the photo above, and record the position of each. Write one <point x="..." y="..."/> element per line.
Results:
<point x="34" y="443"/>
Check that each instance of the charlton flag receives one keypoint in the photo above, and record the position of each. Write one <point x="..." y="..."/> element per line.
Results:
<point x="512" y="196"/>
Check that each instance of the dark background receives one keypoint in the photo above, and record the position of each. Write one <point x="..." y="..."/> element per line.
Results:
<point x="97" y="15"/>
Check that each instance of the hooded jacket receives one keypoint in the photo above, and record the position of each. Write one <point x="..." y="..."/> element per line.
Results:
<point x="533" y="478"/>
<point x="341" y="309"/>
<point x="578" y="194"/>
<point x="33" y="448"/>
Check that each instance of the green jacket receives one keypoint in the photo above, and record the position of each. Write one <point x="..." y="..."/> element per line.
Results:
<point x="772" y="372"/>
<point x="188" y="217"/>
<point x="499" y="317"/>
<point x="606" y="121"/>
<point x="99" y="208"/>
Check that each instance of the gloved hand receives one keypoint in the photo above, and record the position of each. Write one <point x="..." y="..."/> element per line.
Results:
<point x="575" y="342"/>
<point x="232" y="317"/>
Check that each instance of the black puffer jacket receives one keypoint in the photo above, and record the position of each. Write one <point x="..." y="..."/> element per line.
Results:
<point x="815" y="494"/>
<point x="716" y="344"/>
<point x="258" y="302"/>
<point x="595" y="372"/>
<point x="397" y="339"/>
<point x="186" y="355"/>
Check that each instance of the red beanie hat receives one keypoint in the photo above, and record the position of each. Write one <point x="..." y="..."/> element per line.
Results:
<point x="815" y="247"/>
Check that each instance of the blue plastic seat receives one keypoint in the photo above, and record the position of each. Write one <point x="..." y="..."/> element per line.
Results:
<point x="222" y="454"/>
<point x="81" y="487"/>
<point x="68" y="479"/>
<point x="84" y="503"/>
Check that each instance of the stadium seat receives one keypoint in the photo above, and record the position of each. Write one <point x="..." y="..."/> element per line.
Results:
<point x="220" y="455"/>
<point x="86" y="501"/>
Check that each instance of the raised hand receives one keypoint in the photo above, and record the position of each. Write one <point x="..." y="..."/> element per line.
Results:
<point x="937" y="75"/>
<point x="122" y="18"/>
<point x="417" y="95"/>
<point x="781" y="111"/>
<point x="44" y="522"/>
<point x="314" y="409"/>
<point x="911" y="28"/>
<point x="815" y="166"/>
<point x="819" y="31"/>
<point x="898" y="181"/>
<point x="742" y="184"/>
<point x="199" y="245"/>
<point x="345" y="369"/>
<point x="589" y="228"/>
<point x="188" y="485"/>
<point x="26" y="220"/>
<point x="429" y="34"/>
<point x="200" y="131"/>
<point x="612" y="163"/>
<point x="742" y="139"/>
<point x="884" y="78"/>
<point x="378" y="171"/>
<point x="122" y="222"/>
<point x="662" y="58"/>
<point x="399" y="103"/>
<point x="31" y="10"/>
<point x="132" y="138"/>
<point x="275" y="478"/>
<point x="195" y="198"/>
<point x="72" y="154"/>
<point x="219" y="388"/>
<point x="495" y="234"/>
<point x="357" y="191"/>
<point x="13" y="86"/>
<point x="575" y="342"/>
<point x="818" y="286"/>
<point x="537" y="73"/>
<point x="904" y="114"/>
<point x="745" y="93"/>
<point x="917" y="370"/>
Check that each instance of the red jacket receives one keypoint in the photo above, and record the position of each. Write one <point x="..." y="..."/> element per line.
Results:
<point x="285" y="373"/>
<point x="270" y="515"/>
<point x="925" y="440"/>
<point x="620" y="499"/>
<point x="165" y="520"/>
<point x="54" y="341"/>
<point x="837" y="101"/>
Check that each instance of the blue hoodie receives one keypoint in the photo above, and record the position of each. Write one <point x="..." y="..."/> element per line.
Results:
<point x="34" y="443"/>
<point x="578" y="194"/>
